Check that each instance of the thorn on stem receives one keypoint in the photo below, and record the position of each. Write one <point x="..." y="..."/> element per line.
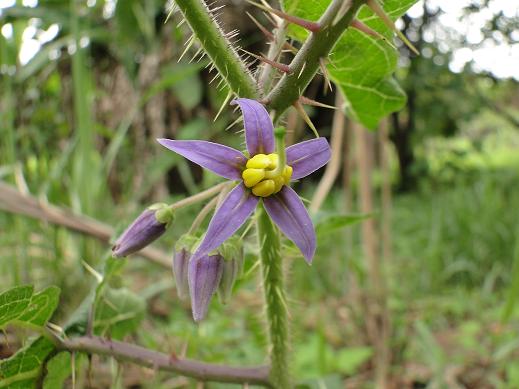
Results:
<point x="280" y="66"/>
<point x="306" y="24"/>
<point x="379" y="11"/>
<point x="299" y="108"/>
<point x="326" y="74"/>
<point x="358" y="25"/>
<point x="307" y="101"/>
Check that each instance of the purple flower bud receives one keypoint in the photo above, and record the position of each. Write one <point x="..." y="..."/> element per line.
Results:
<point x="183" y="251"/>
<point x="204" y="275"/>
<point x="148" y="226"/>
<point x="180" y="266"/>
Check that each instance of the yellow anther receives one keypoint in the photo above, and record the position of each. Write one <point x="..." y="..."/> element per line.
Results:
<point x="274" y="158"/>
<point x="287" y="174"/>
<point x="279" y="181"/>
<point x="262" y="176"/>
<point x="264" y="188"/>
<point x="252" y="176"/>
<point x="259" y="161"/>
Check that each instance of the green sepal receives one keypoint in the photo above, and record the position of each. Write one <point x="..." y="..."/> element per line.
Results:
<point x="163" y="213"/>
<point x="186" y="242"/>
<point x="232" y="248"/>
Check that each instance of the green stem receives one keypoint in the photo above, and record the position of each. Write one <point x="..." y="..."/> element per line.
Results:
<point x="306" y="63"/>
<point x="215" y="44"/>
<point x="275" y="301"/>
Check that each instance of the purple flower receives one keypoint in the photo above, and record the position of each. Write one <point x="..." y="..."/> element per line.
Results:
<point x="148" y="226"/>
<point x="204" y="275"/>
<point x="260" y="179"/>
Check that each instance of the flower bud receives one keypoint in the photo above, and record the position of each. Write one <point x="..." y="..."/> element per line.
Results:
<point x="148" y="226"/>
<point x="204" y="275"/>
<point x="232" y="253"/>
<point x="183" y="250"/>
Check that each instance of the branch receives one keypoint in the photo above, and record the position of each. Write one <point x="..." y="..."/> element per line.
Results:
<point x="219" y="49"/>
<point x="258" y="375"/>
<point x="11" y="200"/>
<point x="306" y="63"/>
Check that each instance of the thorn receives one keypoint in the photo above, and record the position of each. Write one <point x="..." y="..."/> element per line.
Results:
<point x="341" y="12"/>
<point x="280" y="66"/>
<point x="276" y="20"/>
<point x="189" y="42"/>
<point x="299" y="108"/>
<point x="224" y="104"/>
<point x="358" y="25"/>
<point x="307" y="101"/>
<point x="214" y="78"/>
<point x="172" y="10"/>
<point x="269" y="35"/>
<point x="379" y="11"/>
<point x="302" y="70"/>
<point x="271" y="19"/>
<point x="306" y="24"/>
<point x="326" y="74"/>
<point x="233" y="123"/>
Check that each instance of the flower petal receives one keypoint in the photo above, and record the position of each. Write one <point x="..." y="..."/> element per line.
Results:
<point x="232" y="213"/>
<point x="259" y="131"/>
<point x="204" y="275"/>
<point x="222" y="160"/>
<point x="287" y="210"/>
<point x="306" y="157"/>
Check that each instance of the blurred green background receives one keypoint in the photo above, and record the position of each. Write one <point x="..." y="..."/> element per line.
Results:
<point x="87" y="86"/>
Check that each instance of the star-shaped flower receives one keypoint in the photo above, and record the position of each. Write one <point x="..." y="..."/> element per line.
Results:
<point x="261" y="179"/>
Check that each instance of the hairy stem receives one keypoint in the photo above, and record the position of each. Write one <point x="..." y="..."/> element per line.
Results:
<point x="306" y="63"/>
<point x="277" y="314"/>
<point x="219" y="49"/>
<point x="258" y="375"/>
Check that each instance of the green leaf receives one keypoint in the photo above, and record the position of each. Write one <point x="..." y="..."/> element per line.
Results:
<point x="41" y="307"/>
<point x="14" y="302"/>
<point x="118" y="312"/>
<point x="21" y="305"/>
<point x="361" y="65"/>
<point x="58" y="370"/>
<point x="23" y="369"/>
<point x="335" y="222"/>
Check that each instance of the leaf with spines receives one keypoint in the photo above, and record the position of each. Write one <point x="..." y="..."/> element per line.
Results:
<point x="360" y="64"/>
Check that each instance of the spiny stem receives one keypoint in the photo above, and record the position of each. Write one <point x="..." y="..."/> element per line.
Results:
<point x="216" y="45"/>
<point x="306" y="63"/>
<point x="275" y="301"/>
<point x="160" y="361"/>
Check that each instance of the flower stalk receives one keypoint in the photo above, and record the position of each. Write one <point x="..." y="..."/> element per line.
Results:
<point x="275" y="301"/>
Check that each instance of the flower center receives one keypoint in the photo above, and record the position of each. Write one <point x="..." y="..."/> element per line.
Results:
<point x="261" y="175"/>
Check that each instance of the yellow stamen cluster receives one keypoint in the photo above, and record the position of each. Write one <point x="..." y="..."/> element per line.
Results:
<point x="260" y="175"/>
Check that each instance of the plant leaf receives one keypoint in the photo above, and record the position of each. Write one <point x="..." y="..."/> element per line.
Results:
<point x="14" y="302"/>
<point x="361" y="65"/>
<point x="41" y="307"/>
<point x="23" y="369"/>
